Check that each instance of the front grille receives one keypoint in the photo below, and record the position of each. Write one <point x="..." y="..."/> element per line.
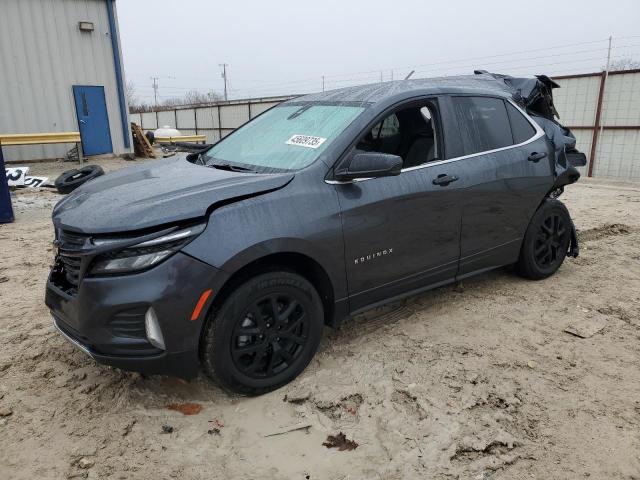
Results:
<point x="67" y="270"/>
<point x="71" y="268"/>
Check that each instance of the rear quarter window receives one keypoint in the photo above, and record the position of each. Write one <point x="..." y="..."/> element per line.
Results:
<point x="520" y="127"/>
<point x="483" y="122"/>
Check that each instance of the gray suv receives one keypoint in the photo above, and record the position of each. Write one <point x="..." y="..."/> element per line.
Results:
<point x="234" y="259"/>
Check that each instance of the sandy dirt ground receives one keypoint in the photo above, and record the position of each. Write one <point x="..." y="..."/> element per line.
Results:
<point x="473" y="381"/>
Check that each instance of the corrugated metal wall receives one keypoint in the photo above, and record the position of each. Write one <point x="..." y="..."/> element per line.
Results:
<point x="213" y="121"/>
<point x="43" y="54"/>
<point x="617" y="151"/>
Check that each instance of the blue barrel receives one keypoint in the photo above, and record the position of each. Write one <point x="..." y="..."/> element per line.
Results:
<point x="6" y="211"/>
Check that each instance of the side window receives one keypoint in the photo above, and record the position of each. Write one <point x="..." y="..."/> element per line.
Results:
<point x="484" y="123"/>
<point x="410" y="133"/>
<point x="383" y="138"/>
<point x="520" y="127"/>
<point x="387" y="128"/>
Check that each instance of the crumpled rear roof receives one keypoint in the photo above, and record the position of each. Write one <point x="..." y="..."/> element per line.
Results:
<point x="376" y="92"/>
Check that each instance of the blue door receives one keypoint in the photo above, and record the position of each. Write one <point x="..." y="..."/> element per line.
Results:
<point x="93" y="120"/>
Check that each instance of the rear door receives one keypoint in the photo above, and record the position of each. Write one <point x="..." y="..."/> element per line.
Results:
<point x="93" y="121"/>
<point x="508" y="171"/>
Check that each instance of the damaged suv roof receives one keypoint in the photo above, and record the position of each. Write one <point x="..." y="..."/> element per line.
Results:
<point x="373" y="93"/>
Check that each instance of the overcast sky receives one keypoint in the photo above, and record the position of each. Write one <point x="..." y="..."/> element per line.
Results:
<point x="286" y="46"/>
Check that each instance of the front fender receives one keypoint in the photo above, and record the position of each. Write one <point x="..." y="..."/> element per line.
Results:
<point x="307" y="222"/>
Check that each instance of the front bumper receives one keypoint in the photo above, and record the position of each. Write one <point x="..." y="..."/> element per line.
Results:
<point x="105" y="316"/>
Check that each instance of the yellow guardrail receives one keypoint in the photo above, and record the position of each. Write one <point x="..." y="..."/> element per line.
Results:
<point x="182" y="138"/>
<point x="39" y="138"/>
<point x="8" y="139"/>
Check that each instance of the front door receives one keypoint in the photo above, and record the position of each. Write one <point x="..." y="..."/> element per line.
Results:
<point x="402" y="233"/>
<point x="93" y="121"/>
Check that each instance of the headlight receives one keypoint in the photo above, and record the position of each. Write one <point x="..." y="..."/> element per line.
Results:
<point x="145" y="254"/>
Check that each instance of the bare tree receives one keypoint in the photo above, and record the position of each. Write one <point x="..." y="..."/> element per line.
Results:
<point x="130" y="93"/>
<point x="192" y="97"/>
<point x="625" y="63"/>
<point x="195" y="97"/>
<point x="140" y="108"/>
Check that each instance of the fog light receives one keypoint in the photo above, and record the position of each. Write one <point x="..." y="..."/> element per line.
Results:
<point x="154" y="334"/>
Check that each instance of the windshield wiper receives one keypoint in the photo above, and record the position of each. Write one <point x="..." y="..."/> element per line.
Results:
<point x="299" y="112"/>
<point x="231" y="168"/>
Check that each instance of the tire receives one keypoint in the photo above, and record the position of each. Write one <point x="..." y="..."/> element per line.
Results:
<point x="248" y="350"/>
<point x="68" y="181"/>
<point x="546" y="241"/>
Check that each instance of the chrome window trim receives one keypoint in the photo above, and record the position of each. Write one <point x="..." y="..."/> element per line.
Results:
<point x="539" y="133"/>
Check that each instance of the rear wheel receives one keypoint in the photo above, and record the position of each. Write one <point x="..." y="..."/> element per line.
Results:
<point x="546" y="242"/>
<point x="264" y="334"/>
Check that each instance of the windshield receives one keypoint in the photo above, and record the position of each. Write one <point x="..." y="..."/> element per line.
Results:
<point x="287" y="137"/>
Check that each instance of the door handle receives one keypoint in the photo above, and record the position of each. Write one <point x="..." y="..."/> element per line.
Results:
<point x="537" y="156"/>
<point x="82" y="121"/>
<point x="443" y="179"/>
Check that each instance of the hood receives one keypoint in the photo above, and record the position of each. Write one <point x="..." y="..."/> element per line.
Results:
<point x="156" y="193"/>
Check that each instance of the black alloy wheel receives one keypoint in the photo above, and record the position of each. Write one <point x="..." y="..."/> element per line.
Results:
<point x="262" y="334"/>
<point x="269" y="336"/>
<point x="550" y="241"/>
<point x="546" y="241"/>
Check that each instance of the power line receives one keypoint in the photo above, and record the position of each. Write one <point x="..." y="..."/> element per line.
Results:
<point x="361" y="73"/>
<point x="266" y="86"/>
<point x="443" y="66"/>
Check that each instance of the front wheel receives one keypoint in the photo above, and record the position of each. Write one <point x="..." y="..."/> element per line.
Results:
<point x="546" y="241"/>
<point x="264" y="334"/>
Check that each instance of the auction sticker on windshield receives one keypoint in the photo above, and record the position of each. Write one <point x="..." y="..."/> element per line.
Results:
<point x="306" y="141"/>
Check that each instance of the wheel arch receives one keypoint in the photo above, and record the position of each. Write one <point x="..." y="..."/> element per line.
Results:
<point x="291" y="261"/>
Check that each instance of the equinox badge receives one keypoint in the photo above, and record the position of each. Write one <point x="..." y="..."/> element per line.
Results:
<point x="372" y="256"/>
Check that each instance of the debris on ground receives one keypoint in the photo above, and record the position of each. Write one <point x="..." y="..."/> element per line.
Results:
<point x="586" y="327"/>
<point x="218" y="423"/>
<point x="127" y="428"/>
<point x="141" y="144"/>
<point x="5" y="411"/>
<point x="213" y="431"/>
<point x="186" y="408"/>
<point x="297" y="397"/>
<point x="167" y="429"/>
<point x="86" y="463"/>
<point x="294" y="428"/>
<point x="340" y="442"/>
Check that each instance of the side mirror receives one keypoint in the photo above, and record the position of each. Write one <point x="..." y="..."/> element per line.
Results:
<point x="370" y="165"/>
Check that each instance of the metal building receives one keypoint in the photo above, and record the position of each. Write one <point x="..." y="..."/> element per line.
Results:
<point x="61" y="71"/>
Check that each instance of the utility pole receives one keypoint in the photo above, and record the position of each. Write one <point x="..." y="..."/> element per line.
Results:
<point x="601" y="101"/>
<point x="381" y="76"/>
<point x="224" y="76"/>
<point x="155" y="90"/>
<point x="323" y="83"/>
<point x="392" y="74"/>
